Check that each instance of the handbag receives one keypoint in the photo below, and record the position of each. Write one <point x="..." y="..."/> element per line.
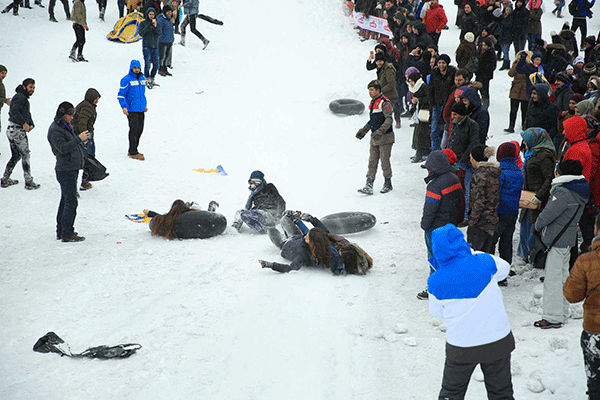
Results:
<point x="423" y="115"/>
<point x="94" y="168"/>
<point x="525" y="200"/>
<point x="539" y="252"/>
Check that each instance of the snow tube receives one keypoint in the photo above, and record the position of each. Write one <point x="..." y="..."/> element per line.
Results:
<point x="127" y="29"/>
<point x="349" y="222"/>
<point x="198" y="224"/>
<point x="346" y="107"/>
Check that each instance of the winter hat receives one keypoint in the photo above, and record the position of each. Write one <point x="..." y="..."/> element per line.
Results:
<point x="569" y="167"/>
<point x="488" y="42"/>
<point x="585" y="107"/>
<point x="459" y="108"/>
<point x="594" y="80"/>
<point x="578" y="59"/>
<point x="379" y="56"/>
<point x="469" y="37"/>
<point x="256" y="175"/>
<point x="589" y="69"/>
<point x="398" y="15"/>
<point x="381" y="46"/>
<point x="481" y="152"/>
<point x="2" y="68"/>
<point x="569" y="67"/>
<point x="506" y="149"/>
<point x="553" y="33"/>
<point x="65" y="108"/>
<point x="451" y="155"/>
<point x="577" y="98"/>
<point x="536" y="54"/>
<point x="497" y="13"/>
<point x="563" y="77"/>
<point x="375" y="84"/>
<point x="412" y="70"/>
<point x="415" y="76"/>
<point x="444" y="57"/>
<point x="593" y="124"/>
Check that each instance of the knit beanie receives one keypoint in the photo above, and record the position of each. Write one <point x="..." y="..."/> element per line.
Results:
<point x="469" y="37"/>
<point x="578" y="59"/>
<point x="381" y="46"/>
<point x="589" y="69"/>
<point x="2" y="68"/>
<point x="257" y="175"/>
<point x="65" y="108"/>
<point x="459" y="108"/>
<point x="536" y="54"/>
<point x="577" y="97"/>
<point x="506" y="150"/>
<point x="411" y="70"/>
<point x="481" y="152"/>
<point x="590" y="40"/>
<point x="414" y="76"/>
<point x="444" y="57"/>
<point x="569" y="167"/>
<point x="451" y="156"/>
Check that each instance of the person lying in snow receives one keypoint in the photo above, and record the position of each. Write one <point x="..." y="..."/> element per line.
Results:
<point x="164" y="224"/>
<point x="315" y="247"/>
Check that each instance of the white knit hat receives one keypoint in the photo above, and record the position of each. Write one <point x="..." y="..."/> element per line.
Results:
<point x="469" y="37"/>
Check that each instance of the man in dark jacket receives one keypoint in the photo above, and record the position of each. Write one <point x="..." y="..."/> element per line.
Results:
<point x="83" y="120"/>
<point x="443" y="200"/>
<point x="68" y="148"/>
<point x="150" y="32"/>
<point x="541" y="112"/>
<point x="477" y="112"/>
<point x="19" y="124"/>
<point x="440" y="87"/>
<point x="382" y="138"/>
<point x="132" y="98"/>
<point x="165" y="42"/>
<point x="581" y="10"/>
<point x="264" y="207"/>
<point x="563" y="91"/>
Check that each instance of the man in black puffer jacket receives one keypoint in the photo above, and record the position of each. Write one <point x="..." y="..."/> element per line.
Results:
<point x="264" y="207"/>
<point x="541" y="112"/>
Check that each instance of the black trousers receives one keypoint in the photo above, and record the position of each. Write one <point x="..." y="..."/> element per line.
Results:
<point x="101" y="5"/>
<point x="136" y="127"/>
<point x="65" y="6"/>
<point x="514" y="107"/>
<point x="164" y="52"/>
<point x="496" y="374"/>
<point x="191" y="20"/>
<point x="480" y="240"/>
<point x="79" y="38"/>
<point x="504" y="235"/>
<point x="580" y="23"/>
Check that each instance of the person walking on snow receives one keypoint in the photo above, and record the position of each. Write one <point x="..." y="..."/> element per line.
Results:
<point x="132" y="98"/>
<point x="3" y="99"/>
<point x="477" y="326"/>
<point x="382" y="138"/>
<point x="190" y="8"/>
<point x="19" y="124"/>
<point x="79" y="19"/>
<point x="83" y="120"/>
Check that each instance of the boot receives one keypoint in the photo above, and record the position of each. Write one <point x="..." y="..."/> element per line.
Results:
<point x="182" y="40"/>
<point x="206" y="42"/>
<point x="387" y="186"/>
<point x="368" y="189"/>
<point x="102" y="10"/>
<point x="52" y="19"/>
<point x="31" y="185"/>
<point x="72" y="56"/>
<point x="81" y="58"/>
<point x="505" y="65"/>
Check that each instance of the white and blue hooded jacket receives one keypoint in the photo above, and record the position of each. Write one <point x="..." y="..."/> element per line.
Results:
<point x="464" y="291"/>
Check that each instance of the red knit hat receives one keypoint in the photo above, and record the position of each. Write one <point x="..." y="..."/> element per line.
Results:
<point x="507" y="149"/>
<point x="451" y="156"/>
<point x="575" y="128"/>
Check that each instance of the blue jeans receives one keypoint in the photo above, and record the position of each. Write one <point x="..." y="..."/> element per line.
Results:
<point x="437" y="127"/>
<point x="90" y="148"/>
<point x="531" y="39"/>
<point x="468" y="173"/>
<point x="526" y="236"/>
<point x="150" y="56"/>
<point x="67" y="208"/>
<point x="505" y="51"/>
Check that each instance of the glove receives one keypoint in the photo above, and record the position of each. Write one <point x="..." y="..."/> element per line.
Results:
<point x="361" y="133"/>
<point x="535" y="200"/>
<point x="306" y="217"/>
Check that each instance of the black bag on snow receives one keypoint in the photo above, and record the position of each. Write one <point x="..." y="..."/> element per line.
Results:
<point x="52" y="343"/>
<point x="96" y="171"/>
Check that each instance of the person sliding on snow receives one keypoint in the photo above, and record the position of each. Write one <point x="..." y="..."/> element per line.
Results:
<point x="315" y="247"/>
<point x="264" y="207"/>
<point x="382" y="138"/>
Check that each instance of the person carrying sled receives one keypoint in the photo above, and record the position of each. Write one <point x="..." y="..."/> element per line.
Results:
<point x="315" y="247"/>
<point x="264" y="206"/>
<point x="382" y="138"/>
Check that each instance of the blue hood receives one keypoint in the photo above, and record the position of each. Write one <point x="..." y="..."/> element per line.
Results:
<point x="473" y="96"/>
<point x="579" y="186"/>
<point x="459" y="274"/>
<point x="134" y="63"/>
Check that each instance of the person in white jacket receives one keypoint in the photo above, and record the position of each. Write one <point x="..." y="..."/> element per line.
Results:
<point x="464" y="292"/>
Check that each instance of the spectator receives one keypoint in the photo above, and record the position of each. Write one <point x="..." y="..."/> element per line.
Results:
<point x="440" y="85"/>
<point x="69" y="151"/>
<point x="542" y="113"/>
<point x="477" y="327"/>
<point x="477" y="112"/>
<point x="132" y="98"/>
<point x="507" y="34"/>
<point x="581" y="10"/>
<point x="520" y="25"/>
<point x="558" y="226"/>
<point x="19" y="124"/>
<point x="466" y="53"/>
<point x="3" y="99"/>
<point x="83" y="121"/>
<point x="165" y="41"/>
<point x="421" y="141"/>
<point x="65" y="4"/>
<point x="518" y="96"/>
<point x="534" y="28"/>
<point x="386" y="75"/>
<point x="469" y="22"/>
<point x="435" y="20"/>
<point x="485" y="72"/>
<point x="79" y="19"/>
<point x="562" y="91"/>
<point x="150" y="33"/>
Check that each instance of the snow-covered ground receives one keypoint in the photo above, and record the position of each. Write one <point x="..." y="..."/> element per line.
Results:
<point x="212" y="323"/>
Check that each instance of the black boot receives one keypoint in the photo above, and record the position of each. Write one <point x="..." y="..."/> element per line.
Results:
<point x="387" y="186"/>
<point x="505" y="65"/>
<point x="368" y="189"/>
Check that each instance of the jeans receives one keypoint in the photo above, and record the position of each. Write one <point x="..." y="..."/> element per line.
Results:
<point x="505" y="51"/>
<point x="65" y="6"/>
<point x="428" y="233"/>
<point x="468" y="173"/>
<point x="121" y="5"/>
<point x="67" y="208"/>
<point x="514" y="107"/>
<point x="480" y="240"/>
<point x="165" y="50"/>
<point x="504" y="235"/>
<point x="437" y="127"/>
<point x="519" y="44"/>
<point x="90" y="148"/>
<point x="526" y="237"/>
<point x="150" y="56"/>
<point x="531" y="39"/>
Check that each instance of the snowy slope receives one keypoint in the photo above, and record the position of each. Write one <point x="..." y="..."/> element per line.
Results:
<point x="212" y="323"/>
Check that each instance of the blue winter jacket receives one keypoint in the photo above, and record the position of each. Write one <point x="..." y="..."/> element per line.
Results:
<point x="132" y="90"/>
<point x="585" y="7"/>
<point x="166" y="27"/>
<point x="511" y="184"/>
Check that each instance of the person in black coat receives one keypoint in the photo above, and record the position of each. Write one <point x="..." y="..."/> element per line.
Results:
<point x="541" y="113"/>
<point x="69" y="151"/>
<point x="469" y="22"/>
<point x="563" y="91"/>
<point x="520" y="24"/>
<point x="264" y="206"/>
<point x="485" y="72"/>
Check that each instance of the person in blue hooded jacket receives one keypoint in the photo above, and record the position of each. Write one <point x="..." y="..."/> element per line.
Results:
<point x="132" y="98"/>
<point x="464" y="292"/>
<point x="568" y="197"/>
<point x="264" y="206"/>
<point x="511" y="184"/>
<point x="477" y="112"/>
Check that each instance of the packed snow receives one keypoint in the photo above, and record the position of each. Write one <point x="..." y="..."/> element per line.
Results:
<point x="212" y="323"/>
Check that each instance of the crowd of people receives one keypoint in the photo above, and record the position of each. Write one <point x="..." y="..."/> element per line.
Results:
<point x="555" y="84"/>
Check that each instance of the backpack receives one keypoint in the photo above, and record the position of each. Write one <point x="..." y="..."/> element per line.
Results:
<point x="472" y="65"/>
